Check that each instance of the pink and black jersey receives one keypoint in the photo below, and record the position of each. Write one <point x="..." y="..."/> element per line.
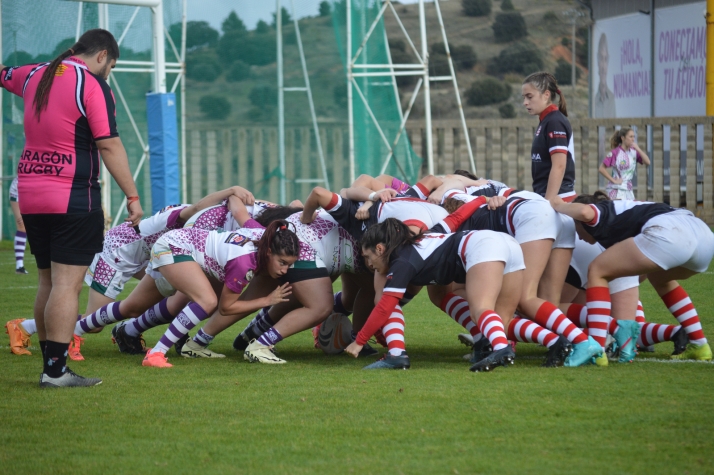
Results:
<point x="554" y="135"/>
<point x="616" y="221"/>
<point x="58" y="171"/>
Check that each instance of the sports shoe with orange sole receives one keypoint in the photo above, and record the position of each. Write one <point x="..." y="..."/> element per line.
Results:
<point x="157" y="360"/>
<point x="316" y="335"/>
<point x="19" y="338"/>
<point x="74" y="348"/>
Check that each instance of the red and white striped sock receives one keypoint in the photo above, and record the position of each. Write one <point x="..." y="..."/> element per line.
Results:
<point x="393" y="332"/>
<point x="549" y="316"/>
<point x="612" y="326"/>
<point x="491" y="325"/>
<point x="458" y="308"/>
<point x="640" y="314"/>
<point x="578" y="314"/>
<point x="651" y="333"/>
<point x="527" y="331"/>
<point x="599" y="308"/>
<point x="679" y="303"/>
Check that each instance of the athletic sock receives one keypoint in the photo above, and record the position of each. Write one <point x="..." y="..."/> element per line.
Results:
<point x="652" y="333"/>
<point x="203" y="338"/>
<point x="157" y="315"/>
<point x="679" y="303"/>
<point x="550" y="317"/>
<point x="271" y="337"/>
<point x="55" y="360"/>
<point x="29" y="326"/>
<point x="393" y="332"/>
<point x="578" y="314"/>
<point x="612" y="326"/>
<point x="599" y="308"/>
<point x="259" y="325"/>
<point x="406" y="298"/>
<point x="20" y="243"/>
<point x="43" y="345"/>
<point x="188" y="318"/>
<point x="337" y="305"/>
<point x="491" y="325"/>
<point x="458" y="308"/>
<point x="527" y="331"/>
<point x="101" y="318"/>
<point x="640" y="314"/>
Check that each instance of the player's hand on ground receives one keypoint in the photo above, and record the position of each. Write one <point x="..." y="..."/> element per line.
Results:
<point x="353" y="349"/>
<point x="496" y="202"/>
<point x="135" y="213"/>
<point x="244" y="195"/>
<point x="363" y="211"/>
<point x="280" y="294"/>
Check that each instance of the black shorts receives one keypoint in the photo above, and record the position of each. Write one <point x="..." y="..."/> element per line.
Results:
<point x="300" y="273"/>
<point x="71" y="239"/>
<point x="573" y="278"/>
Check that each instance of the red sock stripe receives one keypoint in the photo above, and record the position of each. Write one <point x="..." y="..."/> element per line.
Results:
<point x="549" y="316"/>
<point x="653" y="333"/>
<point x="491" y="325"/>
<point x="674" y="296"/>
<point x="612" y="326"/>
<point x="527" y="331"/>
<point x="575" y="312"/>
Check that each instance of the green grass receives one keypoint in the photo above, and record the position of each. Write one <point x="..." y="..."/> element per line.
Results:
<point x="320" y="414"/>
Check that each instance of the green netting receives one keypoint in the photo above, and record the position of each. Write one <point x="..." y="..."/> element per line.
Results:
<point x="375" y="98"/>
<point x="51" y="29"/>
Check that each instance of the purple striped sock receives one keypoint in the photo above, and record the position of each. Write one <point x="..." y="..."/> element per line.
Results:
<point x="203" y="338"/>
<point x="157" y="315"/>
<point x="270" y="337"/>
<point x="337" y="306"/>
<point x="189" y="317"/>
<point x="20" y="243"/>
<point x="101" y="318"/>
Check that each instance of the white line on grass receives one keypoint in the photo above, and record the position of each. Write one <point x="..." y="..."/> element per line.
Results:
<point x="640" y="360"/>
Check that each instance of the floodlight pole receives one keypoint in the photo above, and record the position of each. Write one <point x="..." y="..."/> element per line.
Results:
<point x="427" y="93"/>
<point x="2" y="136"/>
<point x="281" y="100"/>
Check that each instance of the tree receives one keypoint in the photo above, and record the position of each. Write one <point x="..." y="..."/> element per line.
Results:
<point x="564" y="73"/>
<point x="214" y="107"/>
<point x="487" y="91"/>
<point x="463" y="56"/>
<point x="262" y="28"/>
<point x="238" y="72"/>
<point x="204" y="66"/>
<point x="521" y="57"/>
<point x="325" y="8"/>
<point x="476" y="7"/>
<point x="509" y="26"/>
<point x="233" y="24"/>
<point x="507" y="111"/>
<point x="63" y="46"/>
<point x="198" y="33"/>
<point x="18" y="58"/>
<point x="263" y="96"/>
<point x="284" y="17"/>
<point x="255" y="49"/>
<point x="507" y="6"/>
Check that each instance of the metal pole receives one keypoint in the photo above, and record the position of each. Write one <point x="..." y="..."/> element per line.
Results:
<point x="350" y="108"/>
<point x="427" y="95"/>
<point x="184" y="182"/>
<point x="572" y="47"/>
<point x="106" y="182"/>
<point x="2" y="141"/>
<point x="652" y="57"/>
<point x="710" y="57"/>
<point x="157" y="18"/>
<point x="78" y="33"/>
<point x="281" y="99"/>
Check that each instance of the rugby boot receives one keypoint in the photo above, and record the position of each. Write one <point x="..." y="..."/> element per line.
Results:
<point x="626" y="338"/>
<point x="583" y="353"/>
<point x="389" y="361"/>
<point x="503" y="357"/>
<point x="695" y="352"/>
<point x="557" y="353"/>
<point x="19" y="338"/>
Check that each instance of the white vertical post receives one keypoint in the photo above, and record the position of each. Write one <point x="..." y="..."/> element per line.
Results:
<point x="157" y="18"/>
<point x="105" y="182"/>
<point x="572" y="47"/>
<point x="350" y="109"/>
<point x="78" y="33"/>
<point x="184" y="184"/>
<point x="427" y="94"/>
<point x="281" y="100"/>
<point x="2" y="136"/>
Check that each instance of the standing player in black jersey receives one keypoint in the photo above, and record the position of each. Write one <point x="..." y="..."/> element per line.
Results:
<point x="665" y="243"/>
<point x="489" y="263"/>
<point x="552" y="165"/>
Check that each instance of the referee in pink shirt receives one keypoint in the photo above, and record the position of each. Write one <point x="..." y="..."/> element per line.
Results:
<point x="69" y="122"/>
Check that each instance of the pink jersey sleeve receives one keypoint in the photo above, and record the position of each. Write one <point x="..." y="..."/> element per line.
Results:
<point x="239" y="272"/>
<point x="15" y="78"/>
<point x="99" y="106"/>
<point x="253" y="224"/>
<point x="611" y="158"/>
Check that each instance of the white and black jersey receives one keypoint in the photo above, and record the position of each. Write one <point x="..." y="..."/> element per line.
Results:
<point x="492" y="188"/>
<point x="433" y="260"/>
<point x="499" y="220"/>
<point x="343" y="211"/>
<point x="616" y="221"/>
<point x="554" y="135"/>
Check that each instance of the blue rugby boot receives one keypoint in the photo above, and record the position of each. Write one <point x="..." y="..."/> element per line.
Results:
<point x="626" y="338"/>
<point x="389" y="361"/>
<point x="583" y="353"/>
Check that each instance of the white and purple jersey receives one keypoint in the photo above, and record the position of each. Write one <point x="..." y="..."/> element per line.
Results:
<point x="220" y="218"/>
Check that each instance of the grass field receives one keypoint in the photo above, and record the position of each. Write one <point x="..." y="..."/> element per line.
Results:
<point x="320" y="414"/>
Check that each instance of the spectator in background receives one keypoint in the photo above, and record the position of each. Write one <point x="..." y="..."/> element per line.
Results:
<point x="20" y="234"/>
<point x="623" y="159"/>
<point x="69" y="120"/>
